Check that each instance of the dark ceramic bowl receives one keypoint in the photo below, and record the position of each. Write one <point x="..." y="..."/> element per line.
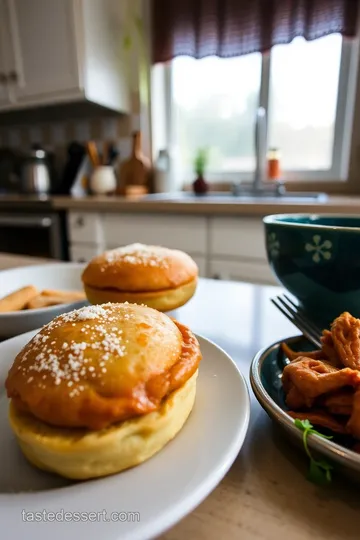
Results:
<point x="265" y="378"/>
<point x="317" y="259"/>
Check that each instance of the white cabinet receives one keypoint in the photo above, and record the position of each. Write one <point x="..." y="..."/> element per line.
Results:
<point x="188" y="233"/>
<point x="54" y="51"/>
<point x="223" y="248"/>
<point x="237" y="237"/>
<point x="201" y="261"/>
<point x="43" y="60"/>
<point x="92" y="233"/>
<point x="86" y="228"/>
<point x="84" y="253"/>
<point x="252" y="272"/>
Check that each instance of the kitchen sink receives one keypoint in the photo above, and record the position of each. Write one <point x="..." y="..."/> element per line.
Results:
<point x="244" y="196"/>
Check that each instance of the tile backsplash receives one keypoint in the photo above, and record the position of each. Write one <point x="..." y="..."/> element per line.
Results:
<point x="55" y="136"/>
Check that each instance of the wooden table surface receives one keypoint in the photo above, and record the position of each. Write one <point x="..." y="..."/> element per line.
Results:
<point x="265" y="495"/>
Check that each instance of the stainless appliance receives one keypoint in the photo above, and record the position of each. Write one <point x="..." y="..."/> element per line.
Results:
<point x="35" y="175"/>
<point x="32" y="228"/>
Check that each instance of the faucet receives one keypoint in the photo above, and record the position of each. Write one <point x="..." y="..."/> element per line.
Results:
<point x="260" y="150"/>
<point x="258" y="183"/>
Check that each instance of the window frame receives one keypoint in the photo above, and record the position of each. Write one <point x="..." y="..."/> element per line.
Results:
<point x="343" y="120"/>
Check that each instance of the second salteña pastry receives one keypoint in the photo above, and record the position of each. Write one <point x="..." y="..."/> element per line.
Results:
<point x="161" y="278"/>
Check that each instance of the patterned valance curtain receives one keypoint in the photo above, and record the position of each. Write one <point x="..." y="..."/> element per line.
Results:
<point x="226" y="28"/>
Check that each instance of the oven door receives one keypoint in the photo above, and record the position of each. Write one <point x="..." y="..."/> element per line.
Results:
<point x="37" y="235"/>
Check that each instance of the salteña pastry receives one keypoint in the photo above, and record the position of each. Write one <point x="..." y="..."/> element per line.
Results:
<point x="159" y="277"/>
<point x="102" y="388"/>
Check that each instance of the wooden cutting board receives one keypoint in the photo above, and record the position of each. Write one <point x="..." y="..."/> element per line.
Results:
<point x="135" y="171"/>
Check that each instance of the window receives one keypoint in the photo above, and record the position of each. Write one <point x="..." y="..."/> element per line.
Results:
<point x="214" y="105"/>
<point x="303" y="86"/>
<point x="304" y="82"/>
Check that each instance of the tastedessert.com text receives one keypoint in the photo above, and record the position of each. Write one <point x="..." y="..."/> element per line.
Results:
<point x="92" y="517"/>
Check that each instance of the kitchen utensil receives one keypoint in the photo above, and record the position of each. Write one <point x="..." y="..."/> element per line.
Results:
<point x="135" y="170"/>
<point x="298" y="317"/>
<point x="105" y="154"/>
<point x="76" y="153"/>
<point x="93" y="153"/>
<point x="35" y="176"/>
<point x="113" y="155"/>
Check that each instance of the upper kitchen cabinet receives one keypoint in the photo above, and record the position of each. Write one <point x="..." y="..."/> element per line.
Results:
<point x="57" y="51"/>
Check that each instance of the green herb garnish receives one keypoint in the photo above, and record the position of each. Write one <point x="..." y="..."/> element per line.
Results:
<point x="319" y="470"/>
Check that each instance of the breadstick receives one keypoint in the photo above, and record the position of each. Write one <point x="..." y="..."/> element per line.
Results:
<point x="18" y="299"/>
<point x="76" y="295"/>
<point x="41" y="301"/>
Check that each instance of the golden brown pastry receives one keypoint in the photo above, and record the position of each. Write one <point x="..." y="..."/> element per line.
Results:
<point x="102" y="388"/>
<point x="159" y="277"/>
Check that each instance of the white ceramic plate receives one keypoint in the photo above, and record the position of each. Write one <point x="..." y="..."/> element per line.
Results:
<point x="161" y="491"/>
<point x="63" y="276"/>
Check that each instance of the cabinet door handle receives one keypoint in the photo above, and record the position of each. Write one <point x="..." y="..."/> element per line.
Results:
<point x="79" y="222"/>
<point x="12" y="77"/>
<point x="3" y="78"/>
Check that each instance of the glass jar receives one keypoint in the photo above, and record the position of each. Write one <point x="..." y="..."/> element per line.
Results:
<point x="273" y="164"/>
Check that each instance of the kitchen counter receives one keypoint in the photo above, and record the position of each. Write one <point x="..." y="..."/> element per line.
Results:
<point x="197" y="206"/>
<point x="265" y="495"/>
<point x="334" y="204"/>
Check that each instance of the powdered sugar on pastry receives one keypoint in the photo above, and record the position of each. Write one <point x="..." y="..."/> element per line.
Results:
<point x="139" y="254"/>
<point x="51" y="364"/>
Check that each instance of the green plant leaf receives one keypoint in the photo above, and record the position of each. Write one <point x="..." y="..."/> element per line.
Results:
<point x="201" y="160"/>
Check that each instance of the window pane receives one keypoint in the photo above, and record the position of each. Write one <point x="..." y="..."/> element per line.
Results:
<point x="214" y="105"/>
<point x="303" y="94"/>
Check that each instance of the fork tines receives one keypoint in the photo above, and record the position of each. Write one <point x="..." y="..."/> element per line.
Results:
<point x="297" y="316"/>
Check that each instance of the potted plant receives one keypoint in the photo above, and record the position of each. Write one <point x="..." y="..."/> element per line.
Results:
<point x="201" y="160"/>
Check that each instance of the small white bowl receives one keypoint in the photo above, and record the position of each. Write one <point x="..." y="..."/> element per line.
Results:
<point x="62" y="276"/>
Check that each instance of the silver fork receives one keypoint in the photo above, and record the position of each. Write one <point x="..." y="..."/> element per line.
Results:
<point x="297" y="316"/>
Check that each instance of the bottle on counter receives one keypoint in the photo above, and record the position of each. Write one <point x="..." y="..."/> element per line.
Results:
<point x="274" y="164"/>
<point x="162" y="172"/>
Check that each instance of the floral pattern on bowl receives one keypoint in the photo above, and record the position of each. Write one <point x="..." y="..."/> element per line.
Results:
<point x="319" y="248"/>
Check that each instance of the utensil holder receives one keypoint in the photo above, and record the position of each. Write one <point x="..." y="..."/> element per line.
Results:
<point x="103" y="180"/>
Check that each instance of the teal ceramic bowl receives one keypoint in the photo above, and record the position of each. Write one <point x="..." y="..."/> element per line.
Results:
<point x="317" y="259"/>
<point x="265" y="377"/>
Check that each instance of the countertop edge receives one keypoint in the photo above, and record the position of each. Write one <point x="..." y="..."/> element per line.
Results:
<point x="102" y="204"/>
